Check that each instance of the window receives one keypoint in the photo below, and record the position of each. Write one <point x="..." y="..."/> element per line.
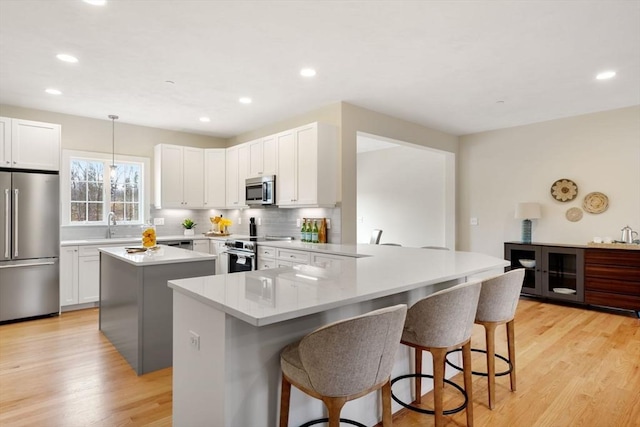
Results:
<point x="90" y="190"/>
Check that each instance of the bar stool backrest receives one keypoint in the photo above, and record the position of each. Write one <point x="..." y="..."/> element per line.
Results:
<point x="353" y="355"/>
<point x="445" y="318"/>
<point x="499" y="297"/>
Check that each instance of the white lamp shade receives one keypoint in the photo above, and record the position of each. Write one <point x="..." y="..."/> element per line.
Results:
<point x="528" y="210"/>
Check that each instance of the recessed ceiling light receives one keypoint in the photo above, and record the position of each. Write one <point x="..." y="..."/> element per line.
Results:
<point x="67" y="58"/>
<point x="205" y="119"/>
<point x="307" y="72"/>
<point x="96" y="2"/>
<point x="52" y="91"/>
<point x="245" y="100"/>
<point x="606" y="75"/>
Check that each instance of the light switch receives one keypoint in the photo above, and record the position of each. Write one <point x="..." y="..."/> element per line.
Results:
<point x="158" y="221"/>
<point x="474" y="221"/>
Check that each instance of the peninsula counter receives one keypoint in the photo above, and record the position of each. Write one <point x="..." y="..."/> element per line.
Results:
<point x="136" y="312"/>
<point x="229" y="329"/>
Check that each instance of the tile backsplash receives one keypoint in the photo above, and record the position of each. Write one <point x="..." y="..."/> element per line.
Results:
<point x="274" y="221"/>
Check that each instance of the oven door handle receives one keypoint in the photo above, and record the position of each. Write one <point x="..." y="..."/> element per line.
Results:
<point x="241" y="253"/>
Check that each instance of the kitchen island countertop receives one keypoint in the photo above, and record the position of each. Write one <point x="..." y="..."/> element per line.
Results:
<point x="163" y="255"/>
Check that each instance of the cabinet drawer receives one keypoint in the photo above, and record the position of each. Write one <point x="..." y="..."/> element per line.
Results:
<point x="613" y="272"/>
<point x="612" y="300"/>
<point x="615" y="286"/>
<point x="629" y="258"/>
<point x="92" y="250"/>
<point x="326" y="261"/>
<point x="297" y="257"/>
<point x="266" y="252"/>
<point x="266" y="263"/>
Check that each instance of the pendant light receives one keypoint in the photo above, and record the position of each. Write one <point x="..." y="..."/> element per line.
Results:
<point x="113" y="166"/>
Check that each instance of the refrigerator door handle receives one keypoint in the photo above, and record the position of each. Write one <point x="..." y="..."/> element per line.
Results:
<point x="15" y="222"/>
<point x="27" y="265"/>
<point x="7" y="230"/>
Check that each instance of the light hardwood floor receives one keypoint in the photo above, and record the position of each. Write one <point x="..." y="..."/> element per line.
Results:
<point x="576" y="367"/>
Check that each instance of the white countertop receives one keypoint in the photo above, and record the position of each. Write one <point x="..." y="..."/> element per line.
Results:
<point x="268" y="296"/>
<point x="122" y="240"/>
<point x="164" y="255"/>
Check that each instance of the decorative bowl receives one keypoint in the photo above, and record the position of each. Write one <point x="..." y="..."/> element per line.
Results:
<point x="529" y="263"/>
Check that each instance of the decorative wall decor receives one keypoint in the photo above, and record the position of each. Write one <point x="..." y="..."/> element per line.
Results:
<point x="574" y="214"/>
<point x="595" y="203"/>
<point x="564" y="190"/>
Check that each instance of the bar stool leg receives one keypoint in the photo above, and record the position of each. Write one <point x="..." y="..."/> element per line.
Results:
<point x="285" y="397"/>
<point x="418" y="380"/>
<point x="490" y="334"/>
<point x="466" y="363"/>
<point x="386" y="404"/>
<point x="511" y="343"/>
<point x="334" y="405"/>
<point x="439" y="354"/>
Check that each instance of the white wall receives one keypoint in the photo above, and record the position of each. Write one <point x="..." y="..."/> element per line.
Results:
<point x="497" y="169"/>
<point x="401" y="190"/>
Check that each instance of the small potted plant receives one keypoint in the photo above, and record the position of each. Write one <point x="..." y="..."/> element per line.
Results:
<point x="189" y="226"/>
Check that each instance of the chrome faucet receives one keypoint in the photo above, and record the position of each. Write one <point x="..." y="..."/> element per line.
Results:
<point x="111" y="220"/>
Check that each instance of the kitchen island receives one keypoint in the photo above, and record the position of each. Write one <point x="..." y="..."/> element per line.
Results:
<point x="229" y="330"/>
<point x="136" y="312"/>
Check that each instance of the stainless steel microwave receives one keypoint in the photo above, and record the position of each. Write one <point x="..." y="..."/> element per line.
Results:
<point x="260" y="191"/>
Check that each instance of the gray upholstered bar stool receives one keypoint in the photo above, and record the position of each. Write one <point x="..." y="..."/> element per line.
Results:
<point x="343" y="361"/>
<point x="497" y="306"/>
<point x="438" y="323"/>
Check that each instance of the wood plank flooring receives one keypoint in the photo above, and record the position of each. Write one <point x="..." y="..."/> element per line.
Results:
<point x="576" y="367"/>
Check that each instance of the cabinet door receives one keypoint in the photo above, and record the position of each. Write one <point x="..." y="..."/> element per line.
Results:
<point x="193" y="183"/>
<point x="215" y="178"/>
<point x="243" y="172"/>
<point x="171" y="176"/>
<point x="232" y="177"/>
<point x="256" y="161"/>
<point x="286" y="185"/>
<point x="270" y="155"/>
<point x="563" y="273"/>
<point x="68" y="275"/>
<point x="307" y="164"/>
<point x="35" y="145"/>
<point x="201" y="246"/>
<point x="514" y="252"/>
<point x="88" y="279"/>
<point x="5" y="142"/>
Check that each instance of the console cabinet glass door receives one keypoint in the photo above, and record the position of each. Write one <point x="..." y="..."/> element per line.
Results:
<point x="563" y="273"/>
<point x="514" y="253"/>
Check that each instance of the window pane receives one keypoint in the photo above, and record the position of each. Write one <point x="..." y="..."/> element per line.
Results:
<point x="118" y="209"/>
<point x="78" y="191"/>
<point x="78" y="212"/>
<point x="78" y="170"/>
<point x="95" y="171"/>
<point x="135" y="215"/>
<point x="95" y="192"/>
<point x="117" y="193"/>
<point x="95" y="212"/>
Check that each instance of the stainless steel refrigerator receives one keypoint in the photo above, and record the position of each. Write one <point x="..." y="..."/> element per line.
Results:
<point x="29" y="244"/>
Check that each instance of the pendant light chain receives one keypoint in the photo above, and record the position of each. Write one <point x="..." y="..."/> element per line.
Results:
<point x="113" y="142"/>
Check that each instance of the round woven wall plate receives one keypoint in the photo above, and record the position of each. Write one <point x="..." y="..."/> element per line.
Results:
<point x="564" y="190"/>
<point x="595" y="203"/>
<point x="574" y="214"/>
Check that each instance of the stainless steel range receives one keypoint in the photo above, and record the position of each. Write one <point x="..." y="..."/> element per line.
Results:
<point x="242" y="253"/>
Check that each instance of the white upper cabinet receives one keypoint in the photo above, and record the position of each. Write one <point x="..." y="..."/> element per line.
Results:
<point x="237" y="162"/>
<point x="179" y="176"/>
<point x="263" y="156"/>
<point x="307" y="166"/>
<point x="214" y="178"/>
<point x="26" y="144"/>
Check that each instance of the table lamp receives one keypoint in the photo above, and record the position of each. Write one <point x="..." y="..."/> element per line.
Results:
<point x="527" y="211"/>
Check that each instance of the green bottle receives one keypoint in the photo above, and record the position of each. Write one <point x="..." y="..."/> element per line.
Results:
<point x="314" y="232"/>
<point x="303" y="231"/>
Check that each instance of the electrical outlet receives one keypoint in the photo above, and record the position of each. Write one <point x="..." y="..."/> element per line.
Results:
<point x="474" y="221"/>
<point x="297" y="222"/>
<point x="239" y="220"/>
<point x="158" y="221"/>
<point x="328" y="223"/>
<point x="360" y="219"/>
<point x="194" y="340"/>
<point x="259" y="221"/>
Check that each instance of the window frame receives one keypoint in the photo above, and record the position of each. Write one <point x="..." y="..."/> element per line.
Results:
<point x="65" y="187"/>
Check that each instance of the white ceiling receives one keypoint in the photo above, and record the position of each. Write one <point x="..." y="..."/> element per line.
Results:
<point x="442" y="64"/>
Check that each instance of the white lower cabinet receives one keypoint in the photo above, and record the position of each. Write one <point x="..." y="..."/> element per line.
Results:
<point x="269" y="257"/>
<point x="201" y="246"/>
<point x="80" y="275"/>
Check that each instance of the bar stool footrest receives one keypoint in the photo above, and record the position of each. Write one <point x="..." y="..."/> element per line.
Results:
<point x="326" y="420"/>
<point x="429" y="411"/>
<point x="482" y="374"/>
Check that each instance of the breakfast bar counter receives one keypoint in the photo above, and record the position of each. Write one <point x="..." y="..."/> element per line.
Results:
<point x="136" y="311"/>
<point x="229" y="329"/>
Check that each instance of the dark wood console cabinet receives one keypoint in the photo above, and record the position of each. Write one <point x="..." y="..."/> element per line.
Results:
<point x="612" y="278"/>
